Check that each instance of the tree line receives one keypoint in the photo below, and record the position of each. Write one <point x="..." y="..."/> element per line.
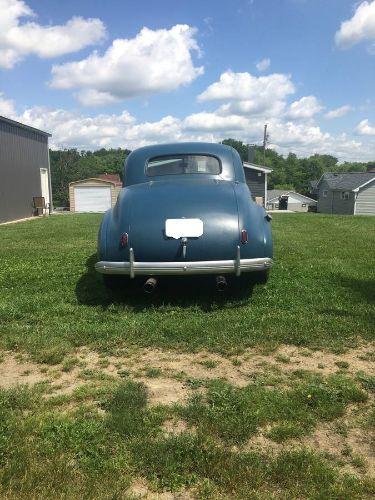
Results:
<point x="70" y="165"/>
<point x="289" y="172"/>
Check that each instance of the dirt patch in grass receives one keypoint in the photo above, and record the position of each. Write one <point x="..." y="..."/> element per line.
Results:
<point x="14" y="371"/>
<point x="201" y="365"/>
<point x="165" y="391"/>
<point x="236" y="370"/>
<point x="139" y="489"/>
<point x="171" y="375"/>
<point x="363" y="444"/>
<point x="175" y="426"/>
<point x="353" y="360"/>
<point x="349" y="449"/>
<point x="353" y="448"/>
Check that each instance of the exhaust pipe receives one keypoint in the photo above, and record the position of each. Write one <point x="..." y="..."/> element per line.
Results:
<point x="150" y="285"/>
<point x="221" y="283"/>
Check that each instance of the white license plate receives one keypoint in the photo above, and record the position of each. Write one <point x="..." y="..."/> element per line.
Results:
<point x="183" y="228"/>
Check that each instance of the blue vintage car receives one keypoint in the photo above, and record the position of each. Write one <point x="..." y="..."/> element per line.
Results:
<point x="185" y="209"/>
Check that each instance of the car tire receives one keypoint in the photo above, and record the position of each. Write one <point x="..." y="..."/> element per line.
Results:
<point x="260" y="277"/>
<point x="248" y="280"/>
<point x="113" y="282"/>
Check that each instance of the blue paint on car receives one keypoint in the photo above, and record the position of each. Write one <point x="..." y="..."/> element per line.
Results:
<point x="184" y="180"/>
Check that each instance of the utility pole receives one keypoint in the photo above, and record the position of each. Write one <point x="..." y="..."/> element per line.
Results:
<point x="265" y="140"/>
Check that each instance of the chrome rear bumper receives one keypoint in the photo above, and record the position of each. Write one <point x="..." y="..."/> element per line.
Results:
<point x="133" y="268"/>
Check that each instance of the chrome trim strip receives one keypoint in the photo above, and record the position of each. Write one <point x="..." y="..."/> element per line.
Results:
<point x="238" y="261"/>
<point x="131" y="263"/>
<point x="178" y="268"/>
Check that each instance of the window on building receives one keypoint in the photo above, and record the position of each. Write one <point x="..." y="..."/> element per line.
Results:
<point x="259" y="174"/>
<point x="325" y="193"/>
<point x="303" y="204"/>
<point x="345" y="195"/>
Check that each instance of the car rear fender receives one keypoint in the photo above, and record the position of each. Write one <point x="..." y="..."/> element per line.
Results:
<point x="253" y="218"/>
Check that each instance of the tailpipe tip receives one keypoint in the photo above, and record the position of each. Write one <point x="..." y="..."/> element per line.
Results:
<point x="150" y="285"/>
<point x="221" y="283"/>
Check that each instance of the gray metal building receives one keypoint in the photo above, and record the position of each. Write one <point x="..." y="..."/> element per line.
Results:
<point x="349" y="193"/>
<point x="24" y="169"/>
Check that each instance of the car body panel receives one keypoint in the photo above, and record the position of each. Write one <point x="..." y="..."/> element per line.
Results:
<point x="222" y="201"/>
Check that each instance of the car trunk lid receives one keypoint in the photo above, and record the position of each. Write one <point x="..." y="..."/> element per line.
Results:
<point x="210" y="200"/>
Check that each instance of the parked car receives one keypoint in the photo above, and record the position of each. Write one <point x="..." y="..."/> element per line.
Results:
<point x="185" y="209"/>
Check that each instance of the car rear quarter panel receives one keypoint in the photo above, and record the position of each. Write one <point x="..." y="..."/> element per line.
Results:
<point x="252" y="217"/>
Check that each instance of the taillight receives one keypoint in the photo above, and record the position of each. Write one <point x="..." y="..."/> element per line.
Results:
<point x="124" y="239"/>
<point x="244" y="237"/>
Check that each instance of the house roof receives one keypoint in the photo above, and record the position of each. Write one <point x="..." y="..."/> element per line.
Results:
<point x="273" y="194"/>
<point x="25" y="127"/>
<point x="97" y="179"/>
<point x="111" y="177"/>
<point x="364" y="184"/>
<point x="254" y="166"/>
<point x="347" y="181"/>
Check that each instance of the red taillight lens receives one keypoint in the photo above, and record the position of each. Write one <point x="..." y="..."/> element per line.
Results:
<point x="244" y="237"/>
<point x="124" y="239"/>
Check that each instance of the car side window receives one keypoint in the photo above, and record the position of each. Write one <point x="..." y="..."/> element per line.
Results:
<point x="183" y="164"/>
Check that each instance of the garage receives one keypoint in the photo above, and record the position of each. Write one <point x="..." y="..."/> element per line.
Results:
<point x="94" y="194"/>
<point x="92" y="199"/>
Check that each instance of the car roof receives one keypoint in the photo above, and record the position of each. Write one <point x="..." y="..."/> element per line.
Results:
<point x="183" y="148"/>
<point x="136" y="162"/>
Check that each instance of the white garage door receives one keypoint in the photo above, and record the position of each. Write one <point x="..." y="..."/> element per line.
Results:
<point x="92" y="198"/>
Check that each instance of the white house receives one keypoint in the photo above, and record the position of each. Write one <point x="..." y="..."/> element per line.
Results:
<point x="278" y="199"/>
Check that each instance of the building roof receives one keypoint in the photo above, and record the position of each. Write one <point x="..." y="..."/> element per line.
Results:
<point x="111" y="177"/>
<point x="273" y="194"/>
<point x="108" y="181"/>
<point x="254" y="166"/>
<point x="347" y="181"/>
<point x="23" y="126"/>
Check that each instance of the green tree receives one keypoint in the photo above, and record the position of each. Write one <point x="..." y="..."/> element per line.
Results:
<point x="71" y="165"/>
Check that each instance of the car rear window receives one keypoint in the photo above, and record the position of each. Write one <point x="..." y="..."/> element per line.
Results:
<point x="183" y="164"/>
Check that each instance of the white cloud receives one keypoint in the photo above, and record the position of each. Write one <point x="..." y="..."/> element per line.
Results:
<point x="6" y="107"/>
<point x="250" y="95"/>
<point x="73" y="129"/>
<point x="18" y="39"/>
<point x="338" y="112"/>
<point x="92" y="97"/>
<point x="153" y="61"/>
<point x="168" y="129"/>
<point x="292" y="128"/>
<point x="306" y="107"/>
<point x="365" y="128"/>
<point x="291" y="135"/>
<point x="264" y="64"/>
<point x="360" y="27"/>
<point x="266" y="108"/>
<point x="213" y="122"/>
<point x="245" y="87"/>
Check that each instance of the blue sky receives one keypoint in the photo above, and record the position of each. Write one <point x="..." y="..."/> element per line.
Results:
<point x="193" y="70"/>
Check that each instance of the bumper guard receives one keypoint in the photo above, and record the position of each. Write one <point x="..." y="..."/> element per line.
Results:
<point x="133" y="268"/>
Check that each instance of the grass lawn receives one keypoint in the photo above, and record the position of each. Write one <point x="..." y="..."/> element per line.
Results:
<point x="321" y="293"/>
<point x="266" y="393"/>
